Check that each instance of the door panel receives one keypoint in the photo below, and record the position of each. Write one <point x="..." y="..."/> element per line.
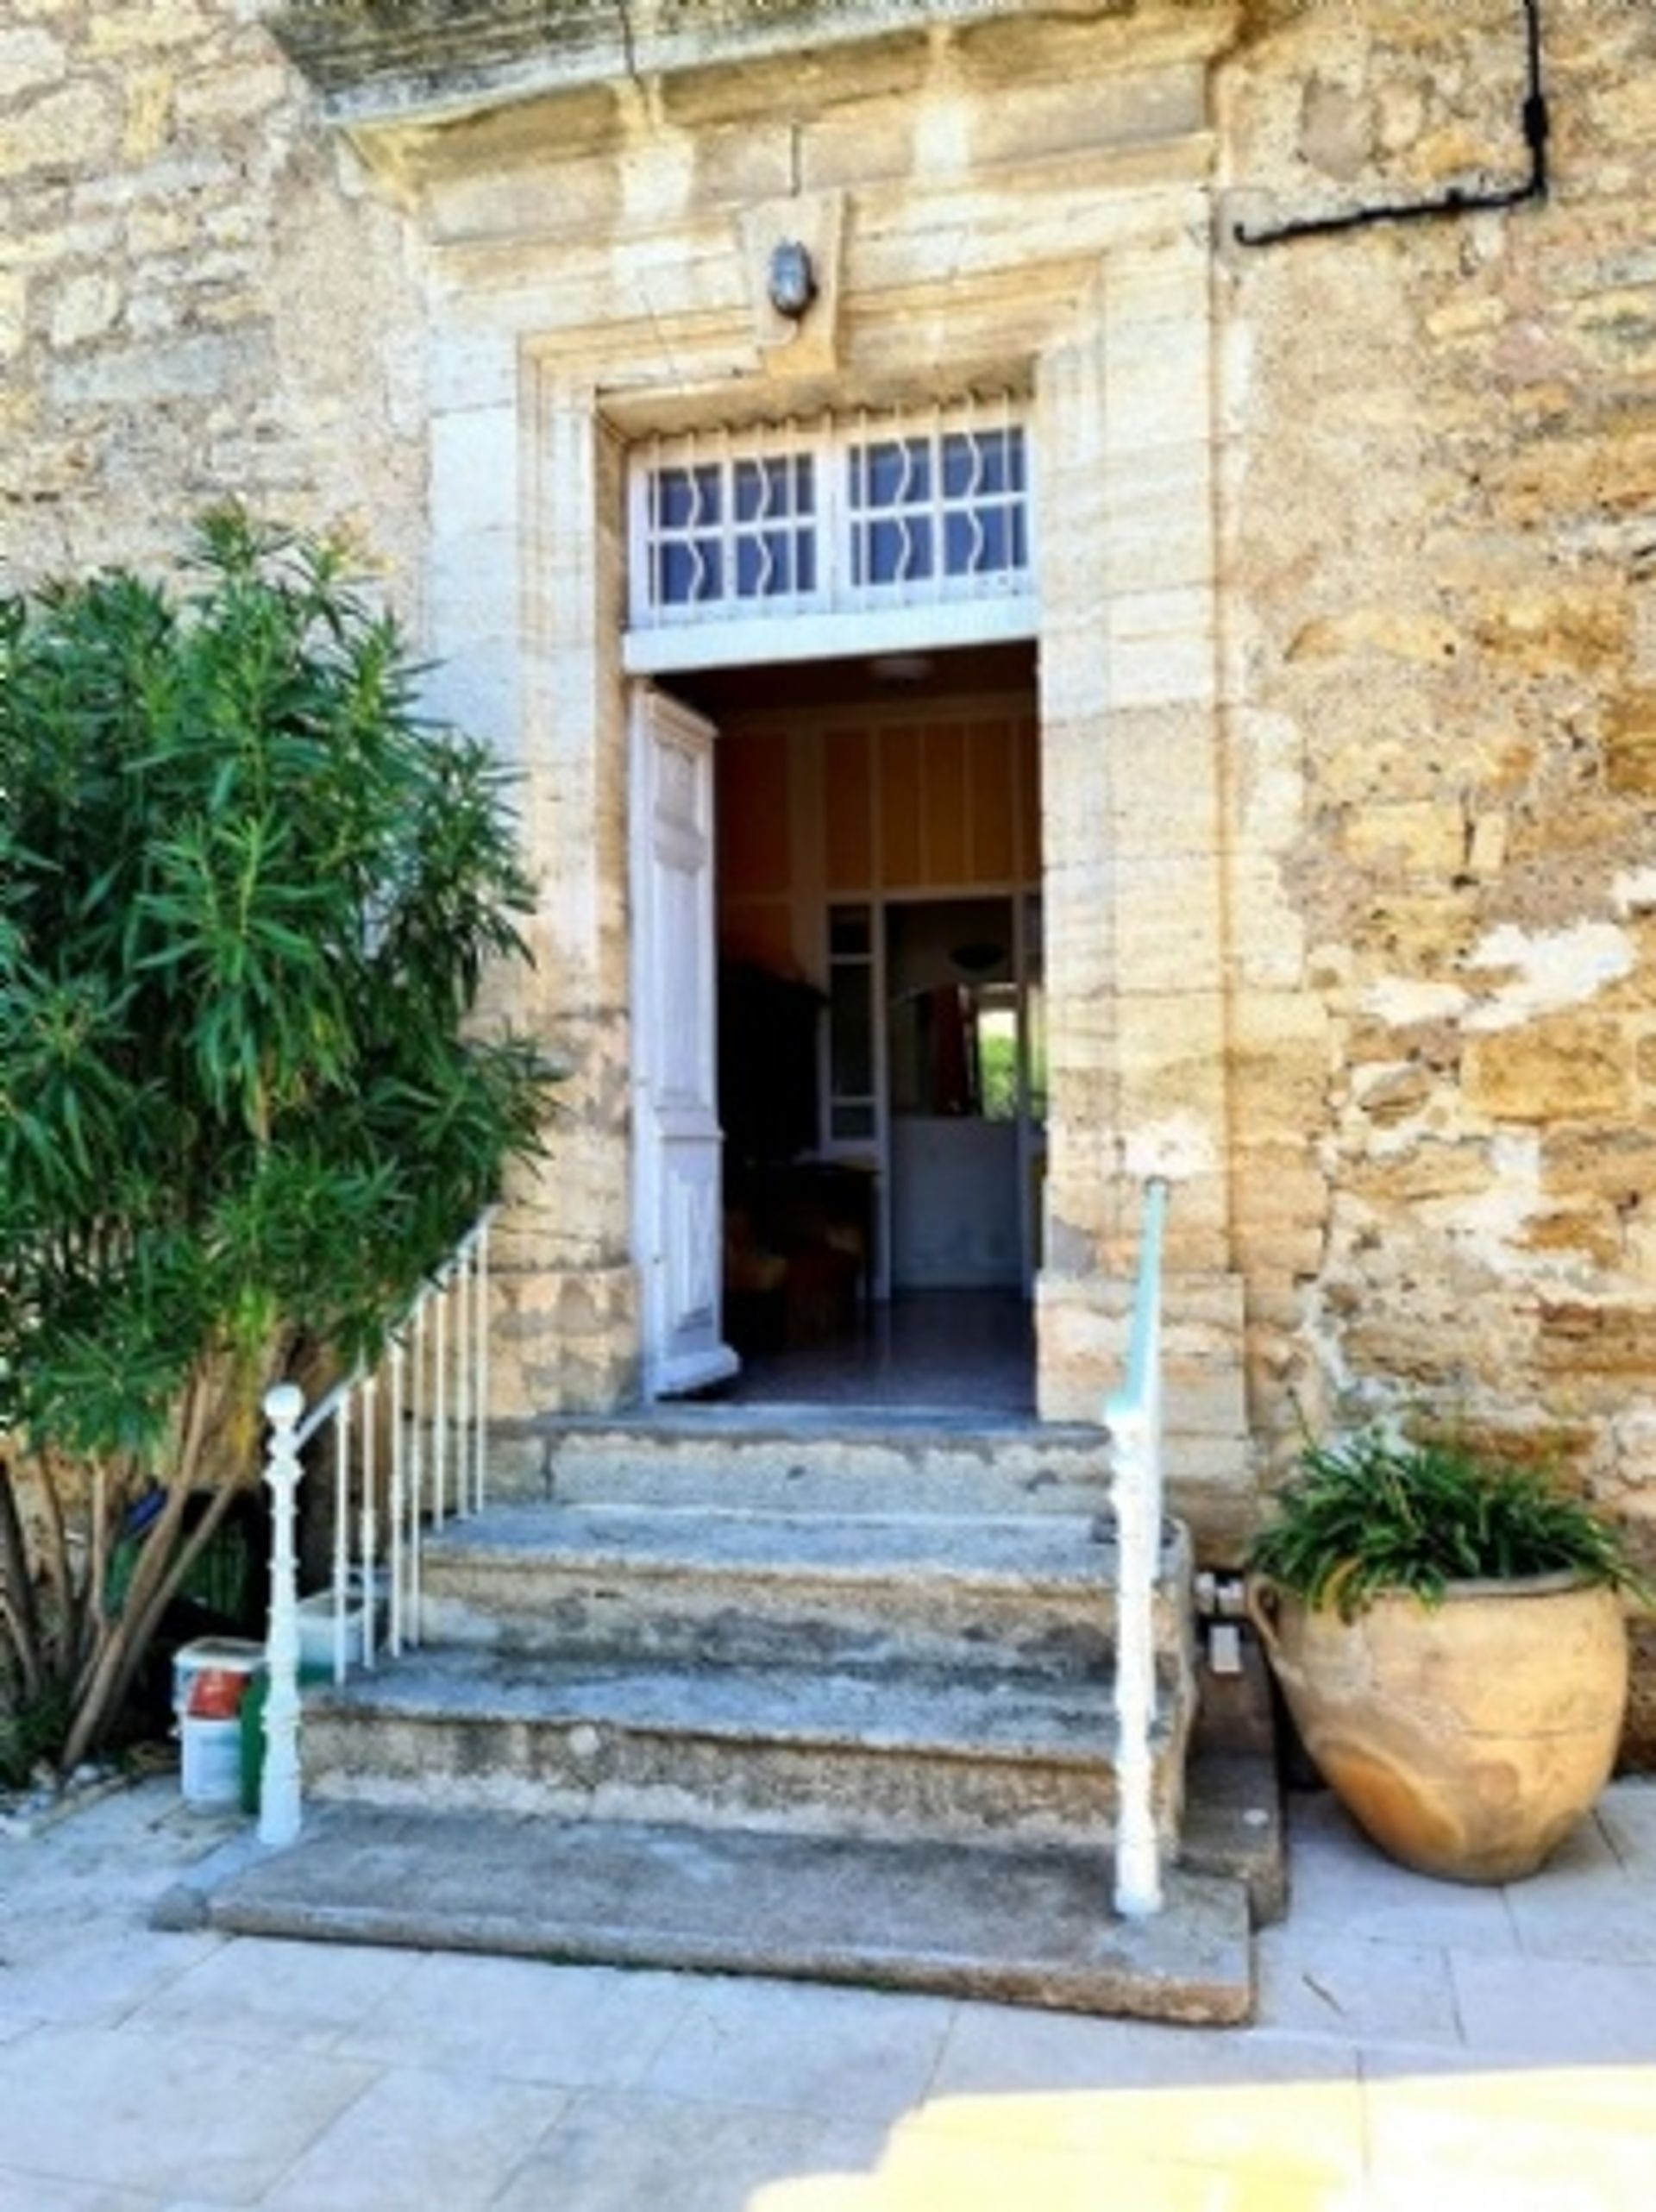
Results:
<point x="678" y="1207"/>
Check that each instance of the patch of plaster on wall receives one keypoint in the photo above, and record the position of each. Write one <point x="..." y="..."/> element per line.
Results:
<point x="1492" y="1220"/>
<point x="1634" y="892"/>
<point x="1400" y="1003"/>
<point x="1177" y="1147"/>
<point x="1557" y="970"/>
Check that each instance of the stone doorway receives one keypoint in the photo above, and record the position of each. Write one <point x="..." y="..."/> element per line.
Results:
<point x="1121" y="632"/>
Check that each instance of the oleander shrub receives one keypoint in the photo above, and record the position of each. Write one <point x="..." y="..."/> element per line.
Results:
<point x="248" y="894"/>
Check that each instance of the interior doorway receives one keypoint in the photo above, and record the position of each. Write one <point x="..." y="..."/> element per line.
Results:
<point x="954" y="1008"/>
<point x="881" y="1055"/>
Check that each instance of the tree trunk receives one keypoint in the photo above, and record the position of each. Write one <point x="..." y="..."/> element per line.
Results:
<point x="109" y="1674"/>
<point x="19" y="1610"/>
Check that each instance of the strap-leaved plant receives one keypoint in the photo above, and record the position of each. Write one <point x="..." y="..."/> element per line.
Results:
<point x="1369" y="1515"/>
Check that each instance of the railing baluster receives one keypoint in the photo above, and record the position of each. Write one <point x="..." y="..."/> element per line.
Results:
<point x="370" y="1534"/>
<point x="397" y="1503"/>
<point x="417" y="1483"/>
<point x="341" y="1530"/>
<point x="440" y="1405"/>
<point x="460" y="1345"/>
<point x="481" y="1409"/>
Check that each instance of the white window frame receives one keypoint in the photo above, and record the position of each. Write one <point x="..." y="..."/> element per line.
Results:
<point x="837" y="615"/>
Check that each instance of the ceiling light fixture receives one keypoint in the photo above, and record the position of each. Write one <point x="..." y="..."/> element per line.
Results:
<point x="900" y="668"/>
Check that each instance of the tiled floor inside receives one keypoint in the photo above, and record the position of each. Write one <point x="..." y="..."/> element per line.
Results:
<point x="1419" y="2047"/>
<point x="950" y="1349"/>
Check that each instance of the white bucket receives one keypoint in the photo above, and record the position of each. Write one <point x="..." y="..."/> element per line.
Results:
<point x="317" y="1627"/>
<point x="210" y="1769"/>
<point x="211" y="1743"/>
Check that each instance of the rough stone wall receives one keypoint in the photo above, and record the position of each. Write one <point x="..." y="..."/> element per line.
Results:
<point x="1440" y="549"/>
<point x="197" y="295"/>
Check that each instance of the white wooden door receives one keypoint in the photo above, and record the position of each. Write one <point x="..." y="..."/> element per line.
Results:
<point x="678" y="1205"/>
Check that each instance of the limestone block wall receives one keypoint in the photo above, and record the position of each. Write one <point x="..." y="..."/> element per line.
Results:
<point x="1438" y="462"/>
<point x="198" y="297"/>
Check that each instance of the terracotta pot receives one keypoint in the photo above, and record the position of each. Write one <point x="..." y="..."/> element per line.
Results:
<point x="1468" y="1738"/>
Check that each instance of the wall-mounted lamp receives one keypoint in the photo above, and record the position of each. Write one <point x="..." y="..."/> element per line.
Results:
<point x="791" y="282"/>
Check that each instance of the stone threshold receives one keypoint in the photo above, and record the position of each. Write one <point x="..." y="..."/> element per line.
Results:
<point x="670" y="1418"/>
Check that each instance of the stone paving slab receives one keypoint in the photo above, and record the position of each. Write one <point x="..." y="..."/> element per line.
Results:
<point x="1026" y="1928"/>
<point x="207" y="2073"/>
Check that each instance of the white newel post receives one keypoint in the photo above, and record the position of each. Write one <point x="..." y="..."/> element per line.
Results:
<point x="1133" y="1416"/>
<point x="1137" y="1856"/>
<point x="480" y="1323"/>
<point x="279" y="1796"/>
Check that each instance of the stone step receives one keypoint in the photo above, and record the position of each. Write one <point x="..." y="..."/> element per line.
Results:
<point x="957" y="1920"/>
<point x="1031" y="1593"/>
<point x="1233" y="1824"/>
<point x="899" y="1754"/>
<point x="796" y="1458"/>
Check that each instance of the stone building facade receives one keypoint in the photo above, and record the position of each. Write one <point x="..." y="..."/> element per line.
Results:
<point x="1343" y="666"/>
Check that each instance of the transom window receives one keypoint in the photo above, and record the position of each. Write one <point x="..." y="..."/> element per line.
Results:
<point x="868" y="515"/>
<point x="950" y="505"/>
<point x="737" y="529"/>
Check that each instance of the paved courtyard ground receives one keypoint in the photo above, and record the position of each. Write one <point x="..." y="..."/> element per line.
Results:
<point x="1419" y="2047"/>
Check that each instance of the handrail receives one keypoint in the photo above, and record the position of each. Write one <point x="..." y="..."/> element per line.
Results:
<point x="326" y="1406"/>
<point x="423" y="1357"/>
<point x="1133" y="1416"/>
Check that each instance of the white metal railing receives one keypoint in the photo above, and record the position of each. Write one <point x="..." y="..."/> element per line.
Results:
<point x="410" y="1437"/>
<point x="1133" y="1415"/>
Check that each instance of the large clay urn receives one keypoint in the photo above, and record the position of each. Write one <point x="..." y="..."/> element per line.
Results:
<point x="1468" y="1738"/>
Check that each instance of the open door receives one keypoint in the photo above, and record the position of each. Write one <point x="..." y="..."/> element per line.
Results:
<point x="678" y="1207"/>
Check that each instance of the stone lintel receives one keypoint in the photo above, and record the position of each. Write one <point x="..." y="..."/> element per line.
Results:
<point x="437" y="60"/>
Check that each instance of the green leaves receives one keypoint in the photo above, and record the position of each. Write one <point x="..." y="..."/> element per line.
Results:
<point x="65" y="1105"/>
<point x="243" y="938"/>
<point x="1371" y="1515"/>
<point x="247" y="895"/>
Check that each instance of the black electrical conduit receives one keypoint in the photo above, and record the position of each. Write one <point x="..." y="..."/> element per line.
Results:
<point x="1453" y="202"/>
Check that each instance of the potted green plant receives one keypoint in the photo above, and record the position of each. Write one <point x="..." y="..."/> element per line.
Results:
<point x="1448" y="1629"/>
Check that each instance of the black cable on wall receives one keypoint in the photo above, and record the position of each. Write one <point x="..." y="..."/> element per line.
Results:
<point x="1456" y="200"/>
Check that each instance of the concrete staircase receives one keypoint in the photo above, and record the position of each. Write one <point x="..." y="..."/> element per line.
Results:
<point x="828" y="1697"/>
